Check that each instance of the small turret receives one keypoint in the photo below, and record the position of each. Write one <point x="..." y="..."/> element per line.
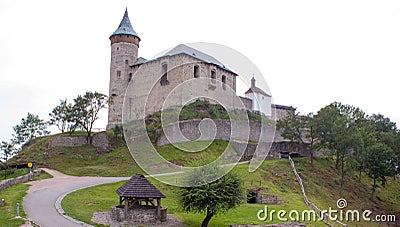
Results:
<point x="125" y="32"/>
<point x="253" y="82"/>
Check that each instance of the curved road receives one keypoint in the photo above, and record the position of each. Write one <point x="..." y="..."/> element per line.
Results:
<point x="39" y="203"/>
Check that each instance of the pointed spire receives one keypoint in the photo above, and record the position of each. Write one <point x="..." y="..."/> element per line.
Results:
<point x="125" y="27"/>
<point x="253" y="82"/>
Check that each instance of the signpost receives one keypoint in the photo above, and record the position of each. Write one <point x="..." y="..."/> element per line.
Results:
<point x="30" y="170"/>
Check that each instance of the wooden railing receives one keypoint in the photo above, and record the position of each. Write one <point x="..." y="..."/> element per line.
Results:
<point x="326" y="218"/>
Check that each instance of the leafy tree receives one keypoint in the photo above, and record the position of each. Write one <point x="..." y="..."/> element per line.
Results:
<point x="386" y="131"/>
<point x="31" y="127"/>
<point x="212" y="198"/>
<point x="338" y="127"/>
<point x="299" y="130"/>
<point x="117" y="130"/>
<point x="61" y="115"/>
<point x="8" y="151"/>
<point x="86" y="109"/>
<point x="380" y="161"/>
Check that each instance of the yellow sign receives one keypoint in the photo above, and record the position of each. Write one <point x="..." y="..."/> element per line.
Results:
<point x="30" y="164"/>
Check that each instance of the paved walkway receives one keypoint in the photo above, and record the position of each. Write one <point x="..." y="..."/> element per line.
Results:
<point x="39" y="203"/>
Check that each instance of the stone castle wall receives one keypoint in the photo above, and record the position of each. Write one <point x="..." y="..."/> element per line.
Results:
<point x="98" y="140"/>
<point x="180" y="68"/>
<point x="192" y="129"/>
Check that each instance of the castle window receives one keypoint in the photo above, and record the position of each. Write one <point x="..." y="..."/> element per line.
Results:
<point x="213" y="76"/>
<point x="223" y="81"/>
<point x="118" y="74"/>
<point x="164" y="72"/>
<point x="113" y="92"/>
<point x="117" y="48"/>
<point x="130" y="77"/>
<point x="126" y="61"/>
<point x="196" y="71"/>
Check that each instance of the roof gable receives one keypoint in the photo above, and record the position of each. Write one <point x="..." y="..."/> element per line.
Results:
<point x="257" y="90"/>
<point x="139" y="187"/>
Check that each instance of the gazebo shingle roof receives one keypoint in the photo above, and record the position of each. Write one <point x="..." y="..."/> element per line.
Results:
<point x="139" y="187"/>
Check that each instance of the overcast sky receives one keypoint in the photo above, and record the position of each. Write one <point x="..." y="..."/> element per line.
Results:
<point x="311" y="53"/>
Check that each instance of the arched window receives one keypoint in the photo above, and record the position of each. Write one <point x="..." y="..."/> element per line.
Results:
<point x="223" y="81"/>
<point x="164" y="72"/>
<point x="196" y="71"/>
<point x="213" y="76"/>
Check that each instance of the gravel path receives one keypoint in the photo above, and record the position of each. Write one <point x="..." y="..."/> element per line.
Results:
<point x="39" y="203"/>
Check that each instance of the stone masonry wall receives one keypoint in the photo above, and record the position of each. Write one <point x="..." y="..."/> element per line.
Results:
<point x="98" y="140"/>
<point x="143" y="214"/>
<point x="4" y="184"/>
<point x="191" y="129"/>
<point x="180" y="68"/>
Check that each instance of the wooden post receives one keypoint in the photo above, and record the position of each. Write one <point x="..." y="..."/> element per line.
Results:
<point x="126" y="209"/>
<point x="158" y="209"/>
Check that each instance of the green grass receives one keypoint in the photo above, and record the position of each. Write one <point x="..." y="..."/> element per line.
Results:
<point x="183" y="158"/>
<point x="43" y="175"/>
<point x="81" y="204"/>
<point x="12" y="195"/>
<point x="274" y="177"/>
<point x="88" y="160"/>
<point x="12" y="173"/>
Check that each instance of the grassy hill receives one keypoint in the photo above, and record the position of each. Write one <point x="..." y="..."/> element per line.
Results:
<point x="274" y="177"/>
<point x="88" y="160"/>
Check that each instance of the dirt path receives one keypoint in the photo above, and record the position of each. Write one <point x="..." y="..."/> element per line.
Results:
<point x="39" y="203"/>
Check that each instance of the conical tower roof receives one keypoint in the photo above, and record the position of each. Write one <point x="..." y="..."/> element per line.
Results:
<point x="125" y="27"/>
<point x="139" y="187"/>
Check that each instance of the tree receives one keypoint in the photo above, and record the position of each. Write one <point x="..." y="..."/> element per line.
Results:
<point x="212" y="198"/>
<point x="118" y="130"/>
<point x="31" y="127"/>
<point x="380" y="162"/>
<point x="386" y="131"/>
<point x="338" y="127"/>
<point x="299" y="130"/>
<point x="61" y="115"/>
<point x="8" y="151"/>
<point x="85" y="110"/>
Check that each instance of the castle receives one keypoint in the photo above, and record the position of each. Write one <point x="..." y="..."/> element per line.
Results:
<point x="178" y="65"/>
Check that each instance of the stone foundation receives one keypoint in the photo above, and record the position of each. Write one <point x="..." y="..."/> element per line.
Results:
<point x="141" y="214"/>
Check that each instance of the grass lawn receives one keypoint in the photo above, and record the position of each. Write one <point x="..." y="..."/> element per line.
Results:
<point x="12" y="173"/>
<point x="14" y="195"/>
<point x="91" y="161"/>
<point x="81" y="204"/>
<point x="275" y="177"/>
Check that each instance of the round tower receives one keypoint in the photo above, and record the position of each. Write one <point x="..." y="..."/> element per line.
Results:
<point x="124" y="52"/>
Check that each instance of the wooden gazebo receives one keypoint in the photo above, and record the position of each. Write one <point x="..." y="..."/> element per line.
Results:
<point x="139" y="190"/>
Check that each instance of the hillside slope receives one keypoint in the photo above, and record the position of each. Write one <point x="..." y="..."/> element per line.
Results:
<point x="274" y="177"/>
